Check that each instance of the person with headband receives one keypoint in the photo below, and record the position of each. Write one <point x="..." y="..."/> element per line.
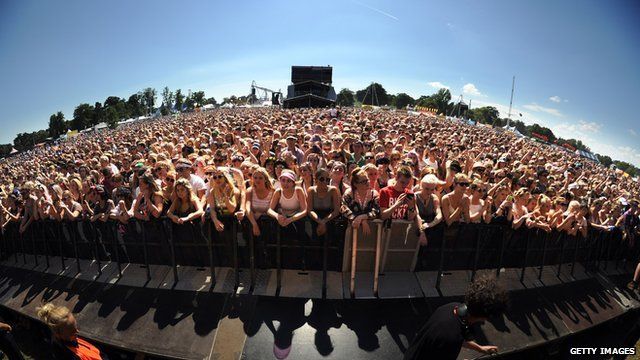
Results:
<point x="65" y="342"/>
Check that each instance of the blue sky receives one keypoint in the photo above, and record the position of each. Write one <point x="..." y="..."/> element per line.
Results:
<point x="575" y="62"/>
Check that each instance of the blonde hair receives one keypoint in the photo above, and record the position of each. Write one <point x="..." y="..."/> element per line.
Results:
<point x="55" y="317"/>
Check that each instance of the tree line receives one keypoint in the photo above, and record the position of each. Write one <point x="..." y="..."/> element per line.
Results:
<point x="113" y="110"/>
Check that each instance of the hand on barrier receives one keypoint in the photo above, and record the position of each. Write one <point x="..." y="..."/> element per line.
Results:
<point x="366" y="229"/>
<point x="256" y="229"/>
<point x="240" y="215"/>
<point x="5" y="327"/>
<point x="423" y="239"/>
<point x="322" y="228"/>
<point x="489" y="349"/>
<point x="219" y="225"/>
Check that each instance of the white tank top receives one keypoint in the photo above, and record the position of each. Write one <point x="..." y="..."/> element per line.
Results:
<point x="260" y="206"/>
<point x="475" y="209"/>
<point x="289" y="206"/>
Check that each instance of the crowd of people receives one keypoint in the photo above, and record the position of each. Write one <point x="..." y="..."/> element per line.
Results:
<point x="316" y="165"/>
<point x="319" y="164"/>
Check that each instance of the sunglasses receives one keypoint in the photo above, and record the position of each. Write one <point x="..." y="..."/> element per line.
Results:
<point x="368" y="157"/>
<point x="324" y="179"/>
<point x="463" y="184"/>
<point x="362" y="182"/>
<point x="209" y="173"/>
<point x="216" y="177"/>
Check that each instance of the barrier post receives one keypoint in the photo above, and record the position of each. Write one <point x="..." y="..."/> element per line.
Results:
<point x="234" y="243"/>
<point x="544" y="254"/>
<point x="94" y="232"/>
<point x="278" y="260"/>
<point x="477" y="251"/>
<point x="75" y="246"/>
<point x="441" y="264"/>
<point x="377" y="264"/>
<point x="144" y="249"/>
<point x="60" y="235"/>
<point x="44" y="240"/>
<point x="114" y="230"/>
<point x="252" y="260"/>
<point x="561" y="253"/>
<point x="501" y="256"/>
<point x="575" y="254"/>
<point x="212" y="268"/>
<point x="354" y="249"/>
<point x="325" y="250"/>
<point x="526" y="255"/>
<point x="24" y="253"/>
<point x="33" y="242"/>
<point x="174" y="266"/>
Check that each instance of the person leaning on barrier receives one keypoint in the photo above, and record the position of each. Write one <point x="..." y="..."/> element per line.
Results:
<point x="259" y="196"/>
<point x="429" y="211"/>
<point x="449" y="327"/>
<point x="456" y="203"/>
<point x="149" y="203"/>
<point x="223" y="196"/>
<point x="185" y="205"/>
<point x="397" y="201"/>
<point x="360" y="203"/>
<point x="323" y="201"/>
<point x="289" y="203"/>
<point x="65" y="342"/>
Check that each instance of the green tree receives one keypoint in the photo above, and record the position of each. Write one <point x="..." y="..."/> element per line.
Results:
<point x="345" y="98"/>
<point x="57" y="125"/>
<point x="402" y="100"/>
<point x="604" y="160"/>
<point x="149" y="99"/>
<point x="179" y="99"/>
<point x="134" y="105"/>
<point x="111" y="117"/>
<point x="5" y="149"/>
<point x="484" y="115"/>
<point x="189" y="103"/>
<point x="98" y="113"/>
<point x="441" y="100"/>
<point x="198" y="98"/>
<point x="82" y="116"/>
<point x="374" y="94"/>
<point x="535" y="128"/>
<point x="210" y="101"/>
<point x="167" y="99"/>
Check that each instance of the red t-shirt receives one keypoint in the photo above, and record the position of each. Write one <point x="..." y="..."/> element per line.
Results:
<point x="388" y="196"/>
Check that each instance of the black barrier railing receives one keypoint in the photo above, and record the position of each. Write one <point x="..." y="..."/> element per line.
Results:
<point x="297" y="246"/>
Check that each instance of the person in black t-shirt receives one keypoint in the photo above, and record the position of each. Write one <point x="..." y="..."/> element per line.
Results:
<point x="447" y="330"/>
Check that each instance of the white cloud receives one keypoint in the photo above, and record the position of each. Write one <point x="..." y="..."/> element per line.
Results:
<point x="471" y="89"/>
<point x="537" y="108"/>
<point x="633" y="132"/>
<point x="592" y="126"/>
<point x="555" y="99"/>
<point x="438" y="85"/>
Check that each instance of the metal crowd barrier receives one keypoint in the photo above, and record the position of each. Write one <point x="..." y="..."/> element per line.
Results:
<point x="391" y="246"/>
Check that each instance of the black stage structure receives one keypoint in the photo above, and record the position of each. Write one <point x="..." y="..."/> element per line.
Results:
<point x="310" y="87"/>
<point x="188" y="292"/>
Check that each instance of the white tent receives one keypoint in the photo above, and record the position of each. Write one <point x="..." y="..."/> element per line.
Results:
<point x="13" y="151"/>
